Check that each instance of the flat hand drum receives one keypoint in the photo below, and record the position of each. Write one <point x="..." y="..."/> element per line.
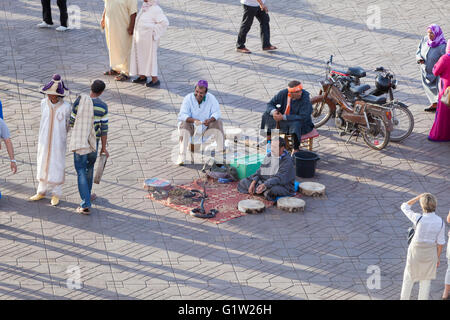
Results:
<point x="291" y="204"/>
<point x="312" y="189"/>
<point x="101" y="163"/>
<point x="157" y="187"/>
<point x="251" y="206"/>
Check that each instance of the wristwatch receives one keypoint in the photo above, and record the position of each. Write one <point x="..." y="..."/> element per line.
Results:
<point x="13" y="160"/>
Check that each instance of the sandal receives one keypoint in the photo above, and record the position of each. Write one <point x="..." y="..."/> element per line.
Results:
<point x="84" y="211"/>
<point x="122" y="77"/>
<point x="111" y="72"/>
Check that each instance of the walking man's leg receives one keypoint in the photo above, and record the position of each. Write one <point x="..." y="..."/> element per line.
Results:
<point x="264" y="19"/>
<point x="62" y="4"/>
<point x="46" y="11"/>
<point x="81" y="162"/>
<point x="246" y="24"/>
<point x="91" y="158"/>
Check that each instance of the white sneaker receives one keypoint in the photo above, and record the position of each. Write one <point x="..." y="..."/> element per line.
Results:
<point x="44" y="24"/>
<point x="62" y="29"/>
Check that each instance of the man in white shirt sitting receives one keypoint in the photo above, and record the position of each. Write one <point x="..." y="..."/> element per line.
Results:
<point x="200" y="110"/>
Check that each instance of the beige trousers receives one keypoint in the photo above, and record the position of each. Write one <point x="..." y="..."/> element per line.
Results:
<point x="215" y="130"/>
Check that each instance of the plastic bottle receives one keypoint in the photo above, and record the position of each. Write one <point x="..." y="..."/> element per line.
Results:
<point x="268" y="147"/>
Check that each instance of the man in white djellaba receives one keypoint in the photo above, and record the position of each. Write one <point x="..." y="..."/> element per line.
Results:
<point x="51" y="155"/>
<point x="151" y="25"/>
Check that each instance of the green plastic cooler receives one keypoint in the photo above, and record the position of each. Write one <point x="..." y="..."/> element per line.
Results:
<point x="247" y="165"/>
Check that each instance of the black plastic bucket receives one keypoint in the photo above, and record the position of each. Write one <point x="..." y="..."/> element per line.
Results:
<point x="305" y="163"/>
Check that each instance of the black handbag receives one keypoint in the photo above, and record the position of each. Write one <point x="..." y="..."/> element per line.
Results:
<point x="412" y="231"/>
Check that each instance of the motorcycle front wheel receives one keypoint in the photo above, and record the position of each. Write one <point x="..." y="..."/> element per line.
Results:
<point x="321" y="111"/>
<point x="378" y="136"/>
<point x="403" y="121"/>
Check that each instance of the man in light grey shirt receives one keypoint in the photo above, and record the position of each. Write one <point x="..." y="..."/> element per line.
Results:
<point x="252" y="9"/>
<point x="5" y="136"/>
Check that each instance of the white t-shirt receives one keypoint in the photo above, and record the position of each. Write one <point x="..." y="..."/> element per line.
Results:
<point x="251" y="3"/>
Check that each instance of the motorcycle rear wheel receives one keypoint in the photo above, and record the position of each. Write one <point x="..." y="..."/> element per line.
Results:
<point x="400" y="115"/>
<point x="373" y="137"/>
<point x="322" y="117"/>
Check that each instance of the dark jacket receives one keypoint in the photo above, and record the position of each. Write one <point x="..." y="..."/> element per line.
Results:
<point x="298" y="121"/>
<point x="285" y="176"/>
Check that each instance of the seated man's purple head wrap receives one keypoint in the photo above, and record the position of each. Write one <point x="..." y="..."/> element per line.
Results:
<point x="202" y="83"/>
<point x="61" y="86"/>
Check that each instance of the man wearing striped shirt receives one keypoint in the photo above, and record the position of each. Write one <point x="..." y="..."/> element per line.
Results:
<point x="84" y="164"/>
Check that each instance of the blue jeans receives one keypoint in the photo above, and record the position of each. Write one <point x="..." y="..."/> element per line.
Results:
<point x="84" y="165"/>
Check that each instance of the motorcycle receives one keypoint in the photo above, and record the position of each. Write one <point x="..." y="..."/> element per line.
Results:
<point x="363" y="115"/>
<point x="385" y="84"/>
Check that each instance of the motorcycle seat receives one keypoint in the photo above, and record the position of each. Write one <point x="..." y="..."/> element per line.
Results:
<point x="359" y="89"/>
<point x="374" y="99"/>
<point x="356" y="72"/>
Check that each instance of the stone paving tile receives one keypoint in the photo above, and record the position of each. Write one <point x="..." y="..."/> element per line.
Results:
<point x="133" y="248"/>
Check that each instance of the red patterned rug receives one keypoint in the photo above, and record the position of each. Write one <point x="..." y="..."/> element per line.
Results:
<point x="223" y="197"/>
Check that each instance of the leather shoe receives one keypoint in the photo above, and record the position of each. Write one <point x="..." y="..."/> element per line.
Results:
<point x="152" y="84"/>
<point x="139" y="80"/>
<point x="431" y="108"/>
<point x="270" y="48"/>
<point x="243" y="50"/>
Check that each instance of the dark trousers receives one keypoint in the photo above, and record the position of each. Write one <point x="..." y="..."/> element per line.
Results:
<point x="47" y="11"/>
<point x="247" y="20"/>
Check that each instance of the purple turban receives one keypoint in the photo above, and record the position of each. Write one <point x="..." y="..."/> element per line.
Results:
<point x="61" y="86"/>
<point x="202" y="83"/>
<point x="438" y="36"/>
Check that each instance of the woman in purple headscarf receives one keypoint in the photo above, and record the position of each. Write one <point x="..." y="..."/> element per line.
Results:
<point x="431" y="48"/>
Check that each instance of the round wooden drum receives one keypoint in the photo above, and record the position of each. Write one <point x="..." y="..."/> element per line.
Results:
<point x="312" y="189"/>
<point x="158" y="188"/>
<point x="251" y="206"/>
<point x="101" y="163"/>
<point x="291" y="204"/>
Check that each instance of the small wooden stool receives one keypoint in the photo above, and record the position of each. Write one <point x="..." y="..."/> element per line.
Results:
<point x="306" y="140"/>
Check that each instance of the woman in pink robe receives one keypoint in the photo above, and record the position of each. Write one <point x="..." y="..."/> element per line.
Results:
<point x="441" y="126"/>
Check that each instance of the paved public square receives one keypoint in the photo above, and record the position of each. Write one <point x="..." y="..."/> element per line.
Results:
<point x="132" y="248"/>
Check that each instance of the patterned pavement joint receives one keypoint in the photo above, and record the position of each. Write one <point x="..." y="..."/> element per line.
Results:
<point x="131" y="248"/>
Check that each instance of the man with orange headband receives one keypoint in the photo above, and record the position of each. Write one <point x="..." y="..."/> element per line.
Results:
<point x="291" y="108"/>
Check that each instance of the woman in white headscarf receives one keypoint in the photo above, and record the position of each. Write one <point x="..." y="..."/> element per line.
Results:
<point x="151" y="24"/>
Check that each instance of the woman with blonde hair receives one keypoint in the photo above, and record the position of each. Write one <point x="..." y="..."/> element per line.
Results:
<point x="425" y="249"/>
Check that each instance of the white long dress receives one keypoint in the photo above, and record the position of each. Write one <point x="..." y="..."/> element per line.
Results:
<point x="150" y="27"/>
<point x="117" y="19"/>
<point x="51" y="155"/>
